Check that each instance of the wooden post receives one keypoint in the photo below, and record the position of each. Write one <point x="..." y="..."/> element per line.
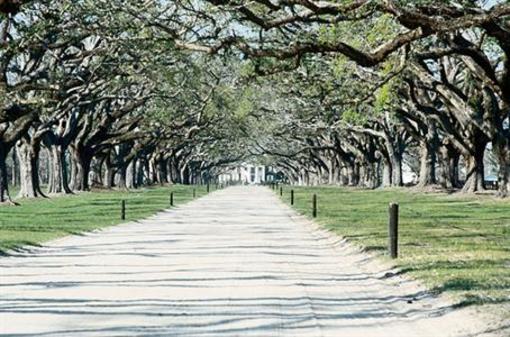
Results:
<point x="194" y="193"/>
<point x="314" y="211"/>
<point x="208" y="188"/>
<point x="171" y="198"/>
<point x="292" y="197"/>
<point x="393" y="230"/>
<point x="123" y="210"/>
<point x="281" y="190"/>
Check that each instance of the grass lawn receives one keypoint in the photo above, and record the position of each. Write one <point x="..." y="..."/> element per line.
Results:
<point x="455" y="244"/>
<point x="39" y="220"/>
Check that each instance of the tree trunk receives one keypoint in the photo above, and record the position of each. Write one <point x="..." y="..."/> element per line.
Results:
<point x="147" y="172"/>
<point x="353" y="174"/>
<point x="372" y="178"/>
<point x="449" y="163"/>
<point x="47" y="167"/>
<point x="501" y="147"/>
<point x="59" y="182"/>
<point x="161" y="170"/>
<point x="397" y="178"/>
<point x="139" y="181"/>
<point x="504" y="179"/>
<point x="97" y="170"/>
<point x="369" y="176"/>
<point x="4" y="183"/>
<point x="174" y="172"/>
<point x="15" y="179"/>
<point x="428" y="161"/>
<point x="152" y="171"/>
<point x="131" y="175"/>
<point x="387" y="176"/>
<point x="122" y="172"/>
<point x="185" y="176"/>
<point x="349" y="172"/>
<point x="169" y="171"/>
<point x="81" y="169"/>
<point x="109" y="175"/>
<point x="73" y="172"/>
<point x="394" y="154"/>
<point x="475" y="178"/>
<point x="94" y="176"/>
<point x="28" y="157"/>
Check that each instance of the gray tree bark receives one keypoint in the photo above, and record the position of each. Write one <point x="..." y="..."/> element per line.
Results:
<point x="28" y="156"/>
<point x="59" y="180"/>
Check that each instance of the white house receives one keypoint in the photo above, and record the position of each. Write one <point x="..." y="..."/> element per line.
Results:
<point x="246" y="174"/>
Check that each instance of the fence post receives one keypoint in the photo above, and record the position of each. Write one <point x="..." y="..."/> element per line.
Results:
<point x="292" y="197"/>
<point x="393" y="230"/>
<point x="123" y="210"/>
<point x="208" y="188"/>
<point x="314" y="211"/>
<point x="171" y="198"/>
<point x="281" y="190"/>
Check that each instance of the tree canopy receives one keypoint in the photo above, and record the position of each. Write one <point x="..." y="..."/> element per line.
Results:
<point x="127" y="93"/>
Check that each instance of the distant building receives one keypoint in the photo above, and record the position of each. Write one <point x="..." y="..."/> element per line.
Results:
<point x="409" y="177"/>
<point x="247" y="174"/>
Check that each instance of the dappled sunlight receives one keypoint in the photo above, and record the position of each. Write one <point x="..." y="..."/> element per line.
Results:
<point x="234" y="262"/>
<point x="455" y="244"/>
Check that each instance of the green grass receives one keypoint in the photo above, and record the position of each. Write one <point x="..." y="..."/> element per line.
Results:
<point x="455" y="244"/>
<point x="39" y="220"/>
